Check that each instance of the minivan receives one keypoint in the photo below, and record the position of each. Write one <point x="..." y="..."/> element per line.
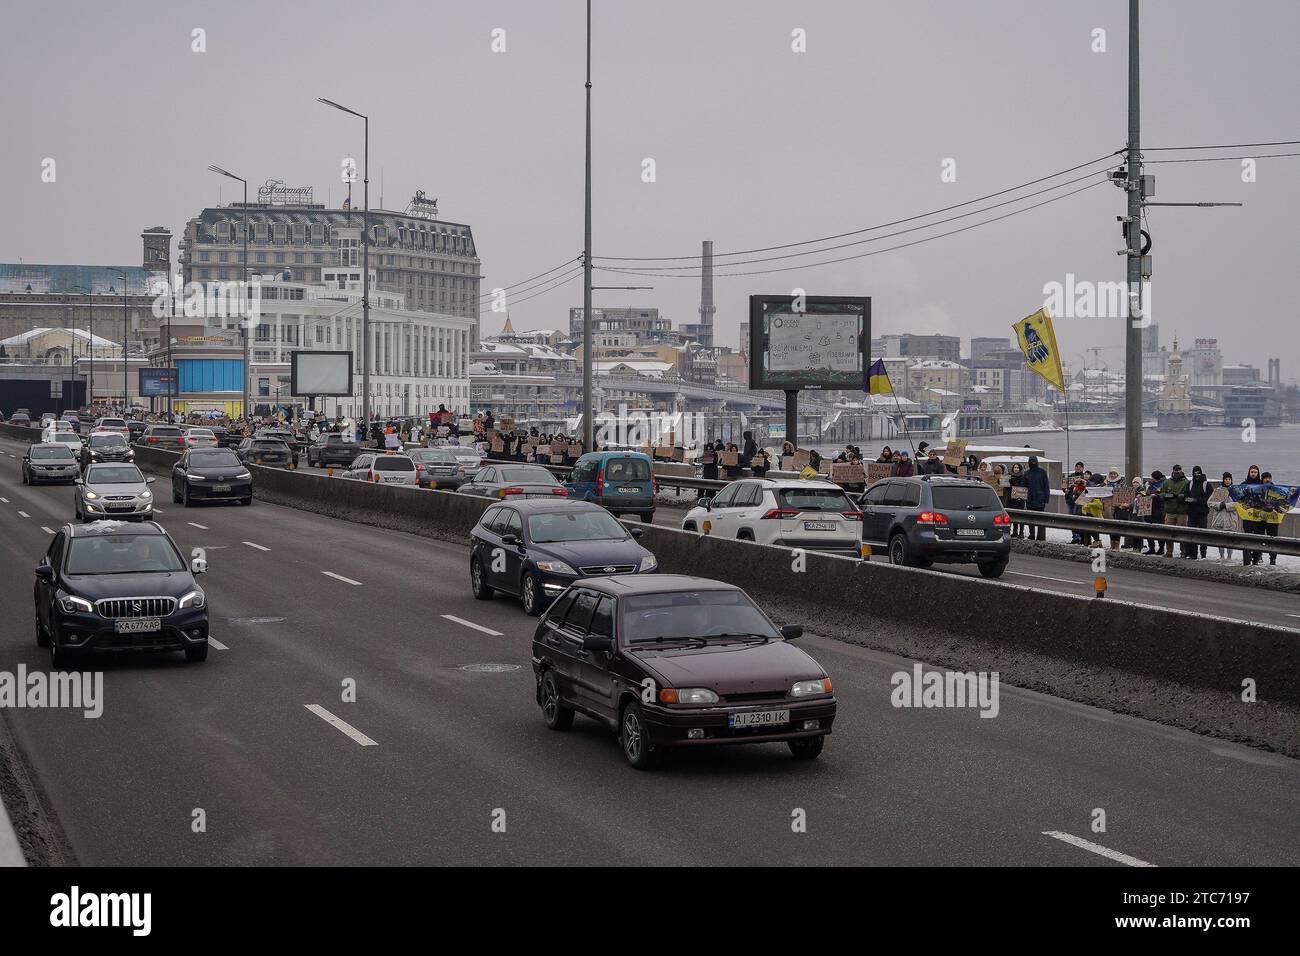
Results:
<point x="622" y="482"/>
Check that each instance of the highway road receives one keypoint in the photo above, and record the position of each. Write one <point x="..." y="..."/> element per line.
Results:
<point x="432" y="751"/>
<point x="1157" y="588"/>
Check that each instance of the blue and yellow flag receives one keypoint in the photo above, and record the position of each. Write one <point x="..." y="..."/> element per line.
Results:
<point x="877" y="382"/>
<point x="1264" y="502"/>
<point x="1038" y="341"/>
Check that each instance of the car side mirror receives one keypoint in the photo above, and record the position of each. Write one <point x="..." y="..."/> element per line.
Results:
<point x="708" y="504"/>
<point x="44" y="571"/>
<point x="510" y="539"/>
<point x="791" y="631"/>
<point x="598" y="645"/>
<point x="198" y="566"/>
<point x="149" y="481"/>
<point x="637" y="532"/>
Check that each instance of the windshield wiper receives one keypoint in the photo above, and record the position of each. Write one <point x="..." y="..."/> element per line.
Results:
<point x="670" y="637"/>
<point x="759" y="637"/>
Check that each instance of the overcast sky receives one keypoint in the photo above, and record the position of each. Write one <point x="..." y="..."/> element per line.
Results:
<point x="754" y="144"/>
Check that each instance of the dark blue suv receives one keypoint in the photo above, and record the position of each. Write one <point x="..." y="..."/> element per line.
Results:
<point x="536" y="548"/>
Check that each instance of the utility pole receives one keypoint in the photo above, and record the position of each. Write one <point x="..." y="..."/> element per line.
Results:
<point x="1138" y="318"/>
<point x="588" y="356"/>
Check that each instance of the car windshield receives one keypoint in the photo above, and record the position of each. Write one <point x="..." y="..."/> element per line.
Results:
<point x="201" y="433"/>
<point x="691" y="614"/>
<point x="627" y="469"/>
<point x="394" y="463"/>
<point x="815" y="499"/>
<point x="575" y="526"/>
<point x="122" y="554"/>
<point x="108" y="441"/>
<point x="534" y="475"/>
<point x="112" y="423"/>
<point x="164" y="432"/>
<point x="270" y="445"/>
<point x="434" y="454"/>
<point x="214" y="459"/>
<point x="48" y="452"/>
<point x="965" y="498"/>
<point x="338" y="440"/>
<point x="114" y="475"/>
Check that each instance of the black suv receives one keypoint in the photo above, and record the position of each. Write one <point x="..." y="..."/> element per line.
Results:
<point x="109" y="586"/>
<point x="332" y="449"/>
<point x="936" y="518"/>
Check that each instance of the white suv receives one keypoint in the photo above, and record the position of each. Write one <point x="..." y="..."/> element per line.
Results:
<point x="384" y="468"/>
<point x="61" y="433"/>
<point x="816" y="515"/>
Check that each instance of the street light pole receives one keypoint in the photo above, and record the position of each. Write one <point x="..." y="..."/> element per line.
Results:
<point x="125" y="321"/>
<point x="246" y="298"/>
<point x="365" y="263"/>
<point x="1137" y="318"/>
<point x="588" y="425"/>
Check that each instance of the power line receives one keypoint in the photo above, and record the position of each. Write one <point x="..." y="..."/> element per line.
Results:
<point x="855" y="232"/>
<point x="1218" y="159"/>
<point x="874" y="252"/>
<point x="529" y="288"/>
<point x="1285" y="142"/>
<point x="561" y="282"/>
<point x="538" y="276"/>
<point x="694" y="270"/>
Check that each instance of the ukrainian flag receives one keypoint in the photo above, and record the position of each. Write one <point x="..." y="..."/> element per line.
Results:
<point x="878" y="379"/>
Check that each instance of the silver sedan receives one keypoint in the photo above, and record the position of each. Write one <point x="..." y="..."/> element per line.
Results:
<point x="112" y="490"/>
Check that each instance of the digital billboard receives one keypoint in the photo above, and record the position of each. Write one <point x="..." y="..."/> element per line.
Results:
<point x="320" y="373"/>
<point x="155" y="382"/>
<point x="808" y="341"/>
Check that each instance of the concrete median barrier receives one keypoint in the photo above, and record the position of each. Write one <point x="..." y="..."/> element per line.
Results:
<point x="838" y="594"/>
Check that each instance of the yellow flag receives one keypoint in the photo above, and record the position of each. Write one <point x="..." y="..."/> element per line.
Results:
<point x="1038" y="342"/>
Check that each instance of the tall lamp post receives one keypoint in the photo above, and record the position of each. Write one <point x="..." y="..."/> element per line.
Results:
<point x="365" y="263"/>
<point x="243" y="322"/>
<point x="588" y="424"/>
<point x="126" y="322"/>
<point x="90" y="312"/>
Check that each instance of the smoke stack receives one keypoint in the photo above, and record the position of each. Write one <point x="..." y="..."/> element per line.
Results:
<point x="706" y="295"/>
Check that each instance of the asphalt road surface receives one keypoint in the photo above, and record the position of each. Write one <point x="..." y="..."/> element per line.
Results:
<point x="417" y="769"/>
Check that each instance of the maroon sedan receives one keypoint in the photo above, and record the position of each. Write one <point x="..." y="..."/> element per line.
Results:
<point x="674" y="661"/>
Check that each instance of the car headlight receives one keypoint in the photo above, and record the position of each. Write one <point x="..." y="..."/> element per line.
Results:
<point x="244" y="474"/>
<point x="556" y="567"/>
<point x="649" y="563"/>
<point x="146" y="494"/>
<point x="91" y="496"/>
<point x="199" y="477"/>
<point x="194" y="599"/>
<point x="694" y="695"/>
<point x="72" y="604"/>
<point x="810" y="688"/>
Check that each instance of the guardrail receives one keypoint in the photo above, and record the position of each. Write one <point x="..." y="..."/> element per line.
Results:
<point x="1235" y="540"/>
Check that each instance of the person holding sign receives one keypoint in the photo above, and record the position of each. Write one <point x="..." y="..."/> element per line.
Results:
<point x="1223" y="513"/>
<point x="1017" y="495"/>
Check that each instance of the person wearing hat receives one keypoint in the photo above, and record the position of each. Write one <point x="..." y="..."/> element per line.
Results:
<point x="933" y="464"/>
<point x="1223" y="513"/>
<point x="1155" y="488"/>
<point x="1273" y="516"/>
<point x="1040" y="493"/>
<point x="1174" y="494"/>
<point x="1198" y="509"/>
<point x="903" y="467"/>
<point x="1114" y="482"/>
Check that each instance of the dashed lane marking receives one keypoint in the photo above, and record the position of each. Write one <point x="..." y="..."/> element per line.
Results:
<point x="201" y="527"/>
<point x="1096" y="848"/>
<point x="477" y="627"/>
<point x="339" y="577"/>
<point x="216" y="643"/>
<point x="341" y="725"/>
<point x="47" y="530"/>
<point x="257" y="546"/>
<point x="24" y="514"/>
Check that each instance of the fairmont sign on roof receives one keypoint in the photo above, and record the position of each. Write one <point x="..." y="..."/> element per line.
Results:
<point x="276" y="193"/>
<point x="422" y="207"/>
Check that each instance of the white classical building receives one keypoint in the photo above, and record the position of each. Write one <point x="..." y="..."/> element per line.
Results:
<point x="418" y="359"/>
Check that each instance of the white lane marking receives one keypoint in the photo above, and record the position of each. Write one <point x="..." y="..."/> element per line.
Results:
<point x="477" y="627"/>
<point x="1043" y="577"/>
<point x="157" y="511"/>
<point x="201" y="527"/>
<point x="47" y="530"/>
<point x="1096" y="848"/>
<point x="217" y="644"/>
<point x="340" y="577"/>
<point x="257" y="546"/>
<point x="342" y="725"/>
<point x="24" y="514"/>
<point x="5" y="500"/>
<point x="1293" y="615"/>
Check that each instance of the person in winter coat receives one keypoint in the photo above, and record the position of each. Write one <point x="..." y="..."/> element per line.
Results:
<point x="903" y="466"/>
<point x="709" y="459"/>
<point x="1012" y="504"/>
<point x="1040" y="493"/>
<point x="1198" y="509"/>
<point x="748" y="449"/>
<point x="1156" y="491"/>
<point x="1248" y="524"/>
<point x="1223" y="514"/>
<point x="1272" y="519"/>
<point x="1174" y="494"/>
<point x="933" y="464"/>
<point x="886" y="455"/>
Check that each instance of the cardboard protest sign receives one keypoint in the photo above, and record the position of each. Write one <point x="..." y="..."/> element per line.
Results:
<point x="955" y="453"/>
<point x="877" y="470"/>
<point x="1142" y="506"/>
<point x="728" y="459"/>
<point x="848" y="472"/>
<point x="1122" y="497"/>
<point x="1020" y="493"/>
<point x="498" y="446"/>
<point x="802" y="458"/>
<point x="663" y="451"/>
